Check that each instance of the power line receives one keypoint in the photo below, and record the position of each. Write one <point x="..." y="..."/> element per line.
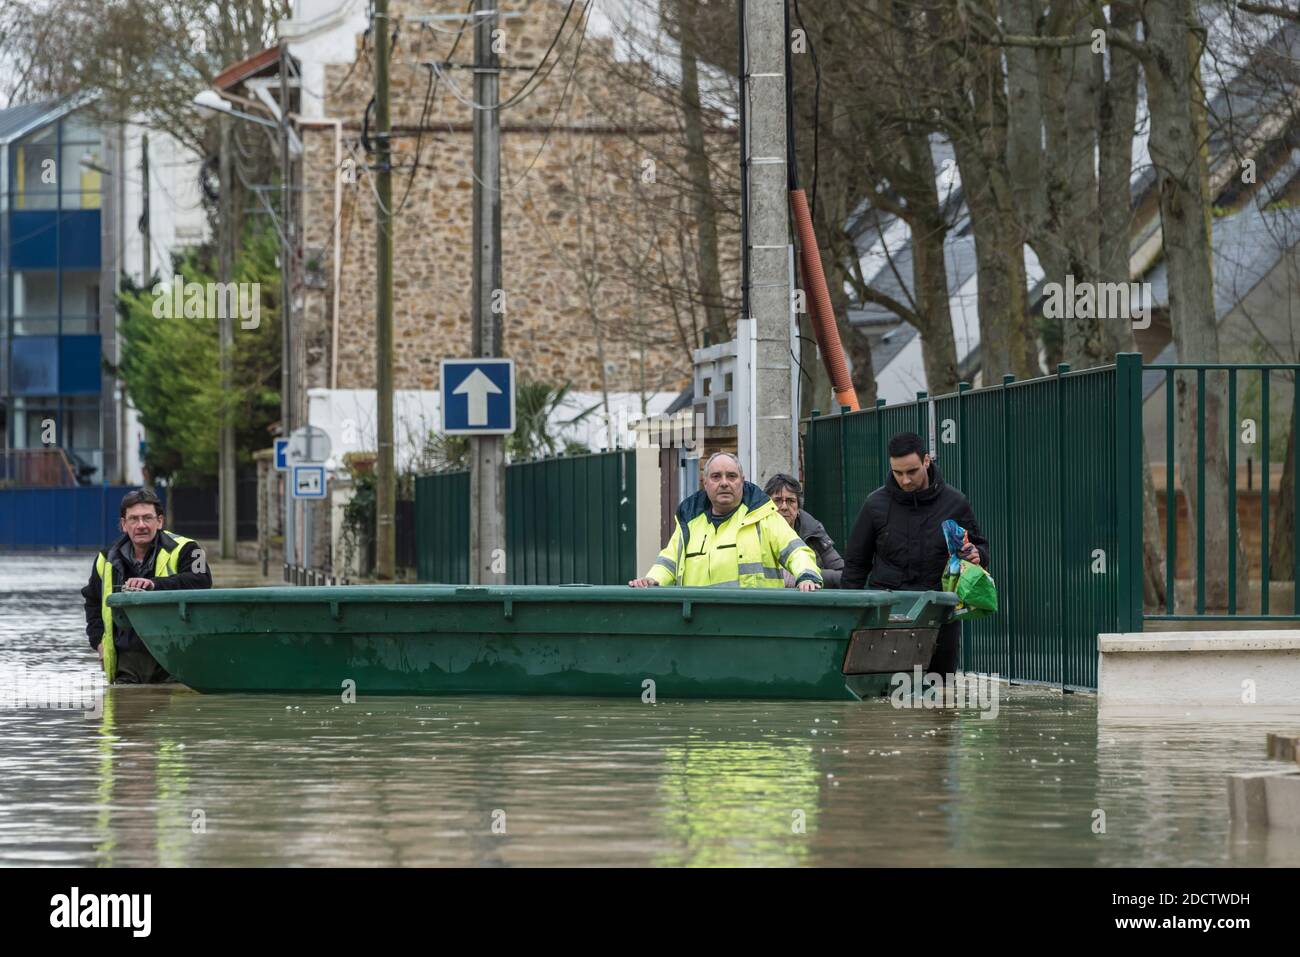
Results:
<point x="429" y="90"/>
<point x="550" y="128"/>
<point x="525" y="91"/>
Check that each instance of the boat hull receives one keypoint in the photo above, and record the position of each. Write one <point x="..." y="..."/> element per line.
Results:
<point x="658" y="643"/>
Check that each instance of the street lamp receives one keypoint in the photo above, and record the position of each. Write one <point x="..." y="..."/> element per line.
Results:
<point x="214" y="101"/>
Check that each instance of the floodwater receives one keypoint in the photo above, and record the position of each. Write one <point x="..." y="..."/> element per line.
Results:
<point x="162" y="775"/>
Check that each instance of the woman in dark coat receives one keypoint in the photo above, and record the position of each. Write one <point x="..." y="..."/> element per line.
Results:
<point x="787" y="495"/>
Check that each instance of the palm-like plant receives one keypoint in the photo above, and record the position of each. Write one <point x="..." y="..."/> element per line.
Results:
<point x="535" y="405"/>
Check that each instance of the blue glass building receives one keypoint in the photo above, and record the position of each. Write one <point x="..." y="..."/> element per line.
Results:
<point x="59" y="247"/>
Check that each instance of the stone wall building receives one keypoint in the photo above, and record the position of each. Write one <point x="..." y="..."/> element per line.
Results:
<point x="576" y="247"/>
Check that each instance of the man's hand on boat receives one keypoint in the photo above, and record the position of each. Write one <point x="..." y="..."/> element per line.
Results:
<point x="137" y="584"/>
<point x="651" y="583"/>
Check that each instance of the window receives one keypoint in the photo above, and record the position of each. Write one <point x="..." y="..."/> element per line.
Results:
<point x="36" y="303"/>
<point x="35" y="364"/>
<point x="80" y="302"/>
<point x="32" y="417"/>
<point x="35" y="175"/>
<point x="81" y="424"/>
<point x="82" y="174"/>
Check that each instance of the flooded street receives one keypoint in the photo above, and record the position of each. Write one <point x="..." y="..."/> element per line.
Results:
<point x="162" y="775"/>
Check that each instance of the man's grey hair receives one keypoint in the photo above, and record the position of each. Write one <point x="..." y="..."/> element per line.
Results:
<point x="709" y="462"/>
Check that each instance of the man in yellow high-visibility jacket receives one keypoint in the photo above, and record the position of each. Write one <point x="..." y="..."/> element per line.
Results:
<point x="730" y="534"/>
<point x="145" y="558"/>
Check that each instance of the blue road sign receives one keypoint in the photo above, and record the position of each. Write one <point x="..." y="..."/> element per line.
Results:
<point x="478" y="396"/>
<point x="308" y="481"/>
<point x="280" y="464"/>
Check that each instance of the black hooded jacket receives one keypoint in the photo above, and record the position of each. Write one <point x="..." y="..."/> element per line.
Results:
<point x="897" y="541"/>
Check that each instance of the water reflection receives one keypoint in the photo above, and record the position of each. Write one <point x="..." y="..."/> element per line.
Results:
<point x="164" y="776"/>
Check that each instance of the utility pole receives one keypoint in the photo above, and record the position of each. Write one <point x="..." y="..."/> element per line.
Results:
<point x="287" y="413"/>
<point x="225" y="254"/>
<point x="386" y="489"/>
<point x="144" y="208"/>
<point x="487" y="462"/>
<point x="764" y="151"/>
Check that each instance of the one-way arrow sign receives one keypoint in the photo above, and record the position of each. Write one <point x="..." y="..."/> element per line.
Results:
<point x="477" y="387"/>
<point x="478" y="396"/>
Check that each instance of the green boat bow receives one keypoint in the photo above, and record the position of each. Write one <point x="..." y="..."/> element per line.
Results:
<point x="540" y="639"/>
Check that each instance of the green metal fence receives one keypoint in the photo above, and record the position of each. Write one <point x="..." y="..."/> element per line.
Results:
<point x="572" y="519"/>
<point x="1039" y="463"/>
<point x="442" y="527"/>
<point x="1226" y="382"/>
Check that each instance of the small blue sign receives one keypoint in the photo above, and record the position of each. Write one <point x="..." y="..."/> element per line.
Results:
<point x="478" y="396"/>
<point x="281" y="465"/>
<point x="308" y="481"/>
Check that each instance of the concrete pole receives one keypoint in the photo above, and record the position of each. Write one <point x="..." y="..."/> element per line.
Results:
<point x="385" y="473"/>
<point x="487" y="462"/>
<point x="226" y="266"/>
<point x="768" y="207"/>
<point x="287" y="384"/>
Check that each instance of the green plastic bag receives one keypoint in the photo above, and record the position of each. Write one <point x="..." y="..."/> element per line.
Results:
<point x="977" y="593"/>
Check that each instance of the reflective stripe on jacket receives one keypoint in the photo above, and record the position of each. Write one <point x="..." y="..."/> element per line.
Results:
<point x="165" y="565"/>
<point x="748" y="550"/>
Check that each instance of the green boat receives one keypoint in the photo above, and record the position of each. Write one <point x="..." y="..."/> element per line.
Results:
<point x="655" y="643"/>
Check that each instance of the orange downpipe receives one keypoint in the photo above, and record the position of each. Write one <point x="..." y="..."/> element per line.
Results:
<point x="819" y="304"/>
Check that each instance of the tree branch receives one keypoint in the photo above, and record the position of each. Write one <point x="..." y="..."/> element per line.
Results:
<point x="1270" y="10"/>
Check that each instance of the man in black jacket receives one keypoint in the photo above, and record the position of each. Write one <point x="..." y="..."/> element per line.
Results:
<point x="897" y="542"/>
<point x="145" y="558"/>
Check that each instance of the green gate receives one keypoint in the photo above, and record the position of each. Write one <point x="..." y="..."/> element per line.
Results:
<point x="572" y="519"/>
<point x="1229" y="384"/>
<point x="1039" y="463"/>
<point x="442" y="527"/>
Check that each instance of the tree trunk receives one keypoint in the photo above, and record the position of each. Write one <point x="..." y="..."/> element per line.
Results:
<point x="929" y="271"/>
<point x="1178" y="158"/>
<point x="1007" y="339"/>
<point x="1007" y="343"/>
<point x="1083" y="345"/>
<point x="697" y="166"/>
<point x="856" y="346"/>
<point x="1118" y="120"/>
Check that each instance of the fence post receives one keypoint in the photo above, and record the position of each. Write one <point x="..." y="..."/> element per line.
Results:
<point x="809" y="449"/>
<point x="1007" y="379"/>
<point x="1264" y="487"/>
<point x="845" y="522"/>
<point x="881" y="444"/>
<point x="1062" y="562"/>
<point x="1128" y="463"/>
<point x="962" y="389"/>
